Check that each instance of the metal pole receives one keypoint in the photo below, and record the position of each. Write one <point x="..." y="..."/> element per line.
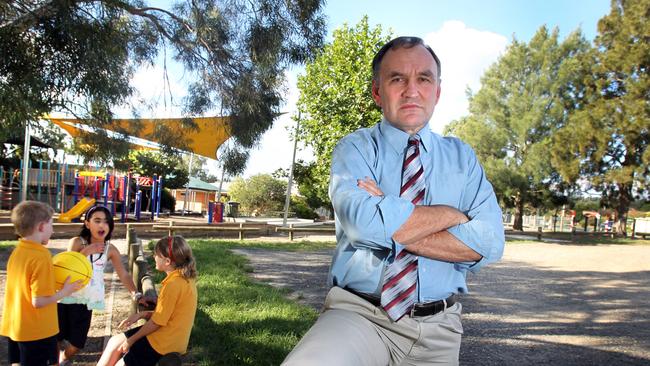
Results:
<point x="187" y="187"/>
<point x="290" y="181"/>
<point x="26" y="147"/>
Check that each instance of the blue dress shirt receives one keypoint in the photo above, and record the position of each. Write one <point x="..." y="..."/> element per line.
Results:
<point x="365" y="224"/>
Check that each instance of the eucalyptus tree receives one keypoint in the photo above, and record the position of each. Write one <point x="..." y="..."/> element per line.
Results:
<point x="78" y="56"/>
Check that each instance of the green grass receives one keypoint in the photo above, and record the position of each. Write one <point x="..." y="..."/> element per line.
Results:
<point x="7" y="245"/>
<point x="238" y="321"/>
<point x="578" y="239"/>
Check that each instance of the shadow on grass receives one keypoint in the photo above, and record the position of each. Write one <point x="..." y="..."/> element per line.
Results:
<point x="240" y="322"/>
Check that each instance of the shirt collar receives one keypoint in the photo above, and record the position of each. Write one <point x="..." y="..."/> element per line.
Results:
<point x="31" y="244"/>
<point x="175" y="273"/>
<point x="398" y="139"/>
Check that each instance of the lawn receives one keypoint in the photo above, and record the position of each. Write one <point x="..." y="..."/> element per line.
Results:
<point x="7" y="245"/>
<point x="579" y="238"/>
<point x="238" y="321"/>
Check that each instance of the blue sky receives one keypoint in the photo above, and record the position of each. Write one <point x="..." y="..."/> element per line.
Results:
<point x="467" y="35"/>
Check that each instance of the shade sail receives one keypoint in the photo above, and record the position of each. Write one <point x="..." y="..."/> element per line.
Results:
<point x="211" y="133"/>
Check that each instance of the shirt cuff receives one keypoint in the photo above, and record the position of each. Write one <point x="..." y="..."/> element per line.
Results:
<point x="483" y="242"/>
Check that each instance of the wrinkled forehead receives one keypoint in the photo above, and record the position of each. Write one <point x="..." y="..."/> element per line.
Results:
<point x="411" y="60"/>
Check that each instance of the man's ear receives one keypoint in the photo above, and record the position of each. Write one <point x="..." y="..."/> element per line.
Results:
<point x="375" y="93"/>
<point x="437" y="94"/>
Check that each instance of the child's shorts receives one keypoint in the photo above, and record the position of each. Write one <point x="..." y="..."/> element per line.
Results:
<point x="141" y="353"/>
<point x="34" y="353"/>
<point x="74" y="323"/>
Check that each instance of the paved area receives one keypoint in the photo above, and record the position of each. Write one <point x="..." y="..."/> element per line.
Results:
<point x="542" y="304"/>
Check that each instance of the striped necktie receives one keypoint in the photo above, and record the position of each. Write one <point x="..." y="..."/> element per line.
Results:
<point x="400" y="278"/>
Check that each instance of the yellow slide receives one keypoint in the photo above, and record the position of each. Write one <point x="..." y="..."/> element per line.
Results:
<point x="77" y="210"/>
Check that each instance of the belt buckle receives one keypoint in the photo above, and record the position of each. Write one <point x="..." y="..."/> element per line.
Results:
<point x="412" y="312"/>
<point x="444" y="301"/>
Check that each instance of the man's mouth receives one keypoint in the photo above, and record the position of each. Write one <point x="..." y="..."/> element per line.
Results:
<point x="409" y="106"/>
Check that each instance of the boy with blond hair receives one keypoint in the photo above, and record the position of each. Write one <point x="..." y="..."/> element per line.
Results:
<point x="29" y="318"/>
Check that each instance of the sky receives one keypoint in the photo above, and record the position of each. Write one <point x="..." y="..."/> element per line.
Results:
<point x="467" y="35"/>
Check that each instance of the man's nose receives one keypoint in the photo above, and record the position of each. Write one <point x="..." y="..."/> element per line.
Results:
<point x="410" y="89"/>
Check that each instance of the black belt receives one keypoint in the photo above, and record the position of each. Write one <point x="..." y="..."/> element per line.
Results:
<point x="424" y="309"/>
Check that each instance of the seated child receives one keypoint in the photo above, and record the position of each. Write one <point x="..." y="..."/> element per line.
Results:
<point x="29" y="318"/>
<point x="169" y="325"/>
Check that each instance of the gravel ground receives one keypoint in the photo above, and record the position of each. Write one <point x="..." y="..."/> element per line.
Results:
<point x="542" y="304"/>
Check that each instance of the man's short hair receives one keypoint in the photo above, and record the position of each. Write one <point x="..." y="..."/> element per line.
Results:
<point x="27" y="215"/>
<point x="400" y="42"/>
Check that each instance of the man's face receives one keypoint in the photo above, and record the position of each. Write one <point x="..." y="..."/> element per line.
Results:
<point x="407" y="89"/>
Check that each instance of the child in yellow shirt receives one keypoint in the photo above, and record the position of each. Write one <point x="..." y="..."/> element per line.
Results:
<point x="29" y="318"/>
<point x="168" y="327"/>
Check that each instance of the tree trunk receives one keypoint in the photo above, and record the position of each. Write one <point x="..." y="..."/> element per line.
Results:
<point x="624" y="200"/>
<point x="519" y="213"/>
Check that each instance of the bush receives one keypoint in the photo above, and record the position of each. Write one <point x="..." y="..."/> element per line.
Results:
<point x="302" y="210"/>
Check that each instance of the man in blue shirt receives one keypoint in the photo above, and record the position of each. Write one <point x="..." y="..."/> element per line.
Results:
<point x="412" y="206"/>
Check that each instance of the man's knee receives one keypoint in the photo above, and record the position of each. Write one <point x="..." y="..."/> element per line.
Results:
<point x="340" y="337"/>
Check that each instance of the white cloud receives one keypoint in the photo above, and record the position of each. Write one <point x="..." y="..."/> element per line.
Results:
<point x="465" y="54"/>
<point x="276" y="147"/>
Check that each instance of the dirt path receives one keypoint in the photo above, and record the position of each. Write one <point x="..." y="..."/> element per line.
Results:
<point x="542" y="304"/>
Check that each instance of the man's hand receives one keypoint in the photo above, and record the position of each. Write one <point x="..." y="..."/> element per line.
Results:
<point x="369" y="186"/>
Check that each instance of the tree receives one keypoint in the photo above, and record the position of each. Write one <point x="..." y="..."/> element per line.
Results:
<point x="148" y="163"/>
<point x="335" y="95"/>
<point x="78" y="56"/>
<point x="606" y="141"/>
<point x="261" y="193"/>
<point x="524" y="98"/>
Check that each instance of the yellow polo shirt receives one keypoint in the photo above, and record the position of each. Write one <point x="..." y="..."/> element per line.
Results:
<point x="29" y="274"/>
<point x="174" y="313"/>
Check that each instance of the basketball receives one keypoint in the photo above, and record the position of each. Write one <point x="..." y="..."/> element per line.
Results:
<point x="73" y="264"/>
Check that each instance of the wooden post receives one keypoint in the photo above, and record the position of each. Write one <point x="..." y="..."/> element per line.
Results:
<point x="539" y="233"/>
<point x="134" y="250"/>
<point x="128" y="240"/>
<point x="171" y="230"/>
<point x="170" y="359"/>
<point x="573" y="233"/>
<point x="241" y="232"/>
<point x="291" y="232"/>
<point x="148" y="288"/>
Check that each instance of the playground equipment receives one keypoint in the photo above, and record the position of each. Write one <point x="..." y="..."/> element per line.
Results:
<point x="77" y="210"/>
<point x="64" y="188"/>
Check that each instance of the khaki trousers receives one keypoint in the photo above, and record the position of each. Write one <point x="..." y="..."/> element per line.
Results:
<point x="351" y="331"/>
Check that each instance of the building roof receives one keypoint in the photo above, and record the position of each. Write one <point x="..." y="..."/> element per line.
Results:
<point x="200" y="185"/>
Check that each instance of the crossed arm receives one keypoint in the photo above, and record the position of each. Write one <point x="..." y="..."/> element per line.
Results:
<point x="425" y="232"/>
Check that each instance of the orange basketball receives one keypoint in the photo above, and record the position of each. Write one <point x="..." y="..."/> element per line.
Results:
<point x="73" y="264"/>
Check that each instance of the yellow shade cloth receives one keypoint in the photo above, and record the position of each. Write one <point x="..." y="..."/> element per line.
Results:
<point x="211" y="133"/>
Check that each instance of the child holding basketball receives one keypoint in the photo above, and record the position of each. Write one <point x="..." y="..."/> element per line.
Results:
<point x="29" y="316"/>
<point x="169" y="325"/>
<point x="75" y="311"/>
